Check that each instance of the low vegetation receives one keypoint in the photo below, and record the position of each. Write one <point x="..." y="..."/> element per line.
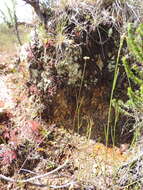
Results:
<point x="8" y="38"/>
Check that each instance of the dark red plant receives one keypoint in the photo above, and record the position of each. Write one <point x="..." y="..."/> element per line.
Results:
<point x="7" y="155"/>
<point x="31" y="131"/>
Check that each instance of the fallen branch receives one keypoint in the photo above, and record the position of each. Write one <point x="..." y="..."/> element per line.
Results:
<point x="39" y="177"/>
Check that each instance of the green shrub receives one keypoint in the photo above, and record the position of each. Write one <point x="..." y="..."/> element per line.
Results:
<point x="133" y="64"/>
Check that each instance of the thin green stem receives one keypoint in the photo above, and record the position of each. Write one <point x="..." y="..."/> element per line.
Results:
<point x="116" y="72"/>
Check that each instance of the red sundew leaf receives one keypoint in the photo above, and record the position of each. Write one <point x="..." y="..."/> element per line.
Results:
<point x="6" y="135"/>
<point x="49" y="44"/>
<point x="30" y="55"/>
<point x="2" y="104"/>
<point x="21" y="69"/>
<point x="34" y="126"/>
<point x="11" y="136"/>
<point x="14" y="139"/>
<point x="34" y="89"/>
<point x="77" y="33"/>
<point x="7" y="155"/>
<point x="31" y="131"/>
<point x="9" y="114"/>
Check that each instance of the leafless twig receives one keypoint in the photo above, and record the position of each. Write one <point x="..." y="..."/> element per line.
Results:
<point x="29" y="171"/>
<point x="35" y="177"/>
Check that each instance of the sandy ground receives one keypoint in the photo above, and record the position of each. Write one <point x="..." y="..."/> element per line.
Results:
<point x="6" y="99"/>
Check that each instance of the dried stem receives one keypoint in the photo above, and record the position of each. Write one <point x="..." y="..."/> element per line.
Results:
<point x="39" y="177"/>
